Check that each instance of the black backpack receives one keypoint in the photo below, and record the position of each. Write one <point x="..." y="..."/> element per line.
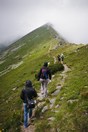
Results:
<point x="30" y="103"/>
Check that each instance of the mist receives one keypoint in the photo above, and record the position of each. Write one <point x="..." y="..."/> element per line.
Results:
<point x="68" y="17"/>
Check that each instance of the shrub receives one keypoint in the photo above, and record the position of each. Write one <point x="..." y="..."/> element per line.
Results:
<point x="56" y="67"/>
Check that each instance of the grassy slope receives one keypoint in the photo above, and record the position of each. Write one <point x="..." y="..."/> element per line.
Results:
<point x="37" y="48"/>
<point x="33" y="54"/>
<point x="72" y="115"/>
<point x="76" y="88"/>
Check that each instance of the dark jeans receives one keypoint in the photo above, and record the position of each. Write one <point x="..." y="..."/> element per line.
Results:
<point x="27" y="115"/>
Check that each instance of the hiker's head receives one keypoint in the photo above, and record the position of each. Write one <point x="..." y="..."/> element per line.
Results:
<point x="28" y="83"/>
<point x="45" y="64"/>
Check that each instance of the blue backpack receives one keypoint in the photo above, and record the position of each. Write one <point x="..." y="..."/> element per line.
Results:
<point x="44" y="73"/>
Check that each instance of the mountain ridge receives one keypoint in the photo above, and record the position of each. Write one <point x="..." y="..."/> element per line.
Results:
<point x="47" y="26"/>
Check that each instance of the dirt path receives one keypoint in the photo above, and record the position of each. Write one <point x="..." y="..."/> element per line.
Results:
<point x="31" y="128"/>
<point x="63" y="74"/>
<point x="66" y="69"/>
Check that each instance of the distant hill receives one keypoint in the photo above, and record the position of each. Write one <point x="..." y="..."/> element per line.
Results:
<point x="2" y="47"/>
<point x="39" y="34"/>
<point x="22" y="60"/>
<point x="30" y="42"/>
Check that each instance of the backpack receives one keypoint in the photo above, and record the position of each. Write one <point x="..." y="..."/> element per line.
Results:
<point x="30" y="103"/>
<point x="44" y="73"/>
<point x="62" y="57"/>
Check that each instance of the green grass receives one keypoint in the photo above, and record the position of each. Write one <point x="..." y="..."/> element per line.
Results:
<point x="35" y="50"/>
<point x="72" y="114"/>
<point x="76" y="90"/>
<point x="38" y="47"/>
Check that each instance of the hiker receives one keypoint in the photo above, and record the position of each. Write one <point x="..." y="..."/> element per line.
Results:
<point x="59" y="59"/>
<point x="62" y="58"/>
<point x="44" y="77"/>
<point x="28" y="93"/>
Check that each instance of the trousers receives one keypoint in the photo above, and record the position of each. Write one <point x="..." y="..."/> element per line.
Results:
<point x="27" y="115"/>
<point x="44" y="83"/>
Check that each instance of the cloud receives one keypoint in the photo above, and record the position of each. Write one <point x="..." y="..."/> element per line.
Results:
<point x="19" y="17"/>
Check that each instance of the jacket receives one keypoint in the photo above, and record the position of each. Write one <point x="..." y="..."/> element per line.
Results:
<point x="28" y="92"/>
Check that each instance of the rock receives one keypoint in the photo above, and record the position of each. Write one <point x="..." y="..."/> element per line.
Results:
<point x="52" y="101"/>
<point x="57" y="106"/>
<point x="40" y="104"/>
<point x="14" y="88"/>
<point x="61" y="98"/>
<point x="51" y="119"/>
<point x="56" y="92"/>
<point x="58" y="87"/>
<point x="51" y="106"/>
<point x="45" y="108"/>
<point x="56" y="111"/>
<point x="72" y="101"/>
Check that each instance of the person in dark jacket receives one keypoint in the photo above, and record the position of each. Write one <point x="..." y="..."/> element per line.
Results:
<point x="59" y="58"/>
<point x="28" y="92"/>
<point x="44" y="77"/>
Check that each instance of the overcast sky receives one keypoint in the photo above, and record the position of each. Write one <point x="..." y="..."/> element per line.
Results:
<point x="19" y="17"/>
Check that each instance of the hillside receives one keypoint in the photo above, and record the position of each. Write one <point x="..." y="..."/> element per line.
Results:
<point x="22" y="60"/>
<point x="67" y="109"/>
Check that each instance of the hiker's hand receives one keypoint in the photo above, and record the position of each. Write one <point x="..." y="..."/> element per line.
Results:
<point x="49" y="81"/>
<point x="38" y="79"/>
<point x="22" y="108"/>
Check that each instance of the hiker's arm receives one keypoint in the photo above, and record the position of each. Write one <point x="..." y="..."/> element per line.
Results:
<point x="49" y="74"/>
<point x="22" y="95"/>
<point x="39" y="74"/>
<point x="35" y="93"/>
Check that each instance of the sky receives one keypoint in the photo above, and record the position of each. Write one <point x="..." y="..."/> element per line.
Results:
<point x="68" y="17"/>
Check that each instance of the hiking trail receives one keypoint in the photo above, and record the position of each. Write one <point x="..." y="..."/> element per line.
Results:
<point x="31" y="127"/>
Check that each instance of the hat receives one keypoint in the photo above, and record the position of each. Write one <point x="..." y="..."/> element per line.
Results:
<point x="28" y="83"/>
